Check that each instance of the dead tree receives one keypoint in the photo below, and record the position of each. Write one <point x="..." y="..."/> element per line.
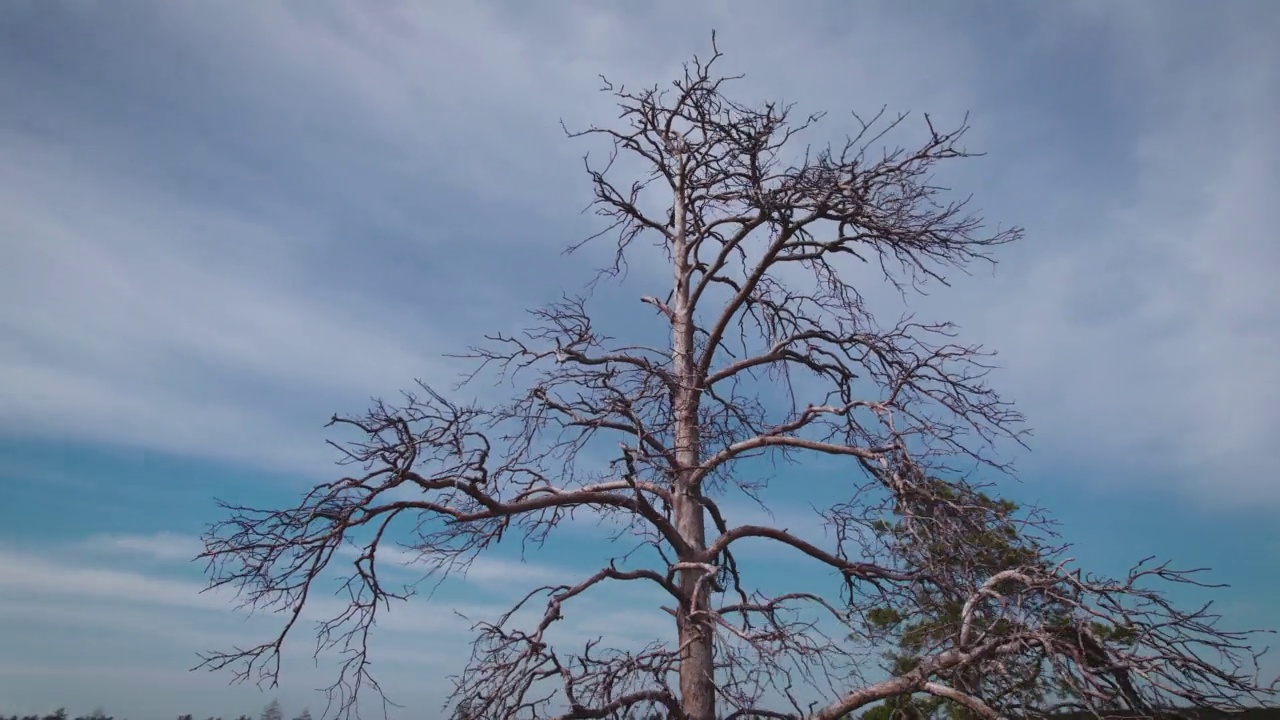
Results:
<point x="763" y="243"/>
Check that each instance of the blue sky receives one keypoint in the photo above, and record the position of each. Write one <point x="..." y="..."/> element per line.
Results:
<point x="223" y="222"/>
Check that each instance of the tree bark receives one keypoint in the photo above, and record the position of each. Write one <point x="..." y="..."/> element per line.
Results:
<point x="697" y="667"/>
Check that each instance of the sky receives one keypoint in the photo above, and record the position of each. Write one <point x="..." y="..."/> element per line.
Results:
<point x="221" y="223"/>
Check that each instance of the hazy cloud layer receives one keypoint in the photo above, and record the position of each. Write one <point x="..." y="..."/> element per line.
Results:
<point x="221" y="223"/>
<point x="250" y="240"/>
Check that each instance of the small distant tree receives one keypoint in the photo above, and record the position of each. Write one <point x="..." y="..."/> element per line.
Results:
<point x="272" y="711"/>
<point x="304" y="715"/>
<point x="772" y="353"/>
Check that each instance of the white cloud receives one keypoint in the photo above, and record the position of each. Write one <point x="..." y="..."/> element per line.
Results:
<point x="487" y="570"/>
<point x="33" y="574"/>
<point x="129" y="334"/>
<point x="166" y="547"/>
<point x="158" y="622"/>
<point x="1145" y="347"/>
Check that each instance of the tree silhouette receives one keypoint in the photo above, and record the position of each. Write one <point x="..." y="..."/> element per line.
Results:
<point x="773" y="354"/>
<point x="272" y="711"/>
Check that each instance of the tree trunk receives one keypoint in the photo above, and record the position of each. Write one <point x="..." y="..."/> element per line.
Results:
<point x="697" y="667"/>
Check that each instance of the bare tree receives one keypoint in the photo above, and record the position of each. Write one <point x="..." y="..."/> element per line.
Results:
<point x="773" y="353"/>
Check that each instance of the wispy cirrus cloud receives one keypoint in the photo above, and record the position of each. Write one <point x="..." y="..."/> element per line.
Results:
<point x="118" y="634"/>
<point x="221" y="224"/>
<point x="159" y="621"/>
<point x="166" y="547"/>
<point x="487" y="570"/>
